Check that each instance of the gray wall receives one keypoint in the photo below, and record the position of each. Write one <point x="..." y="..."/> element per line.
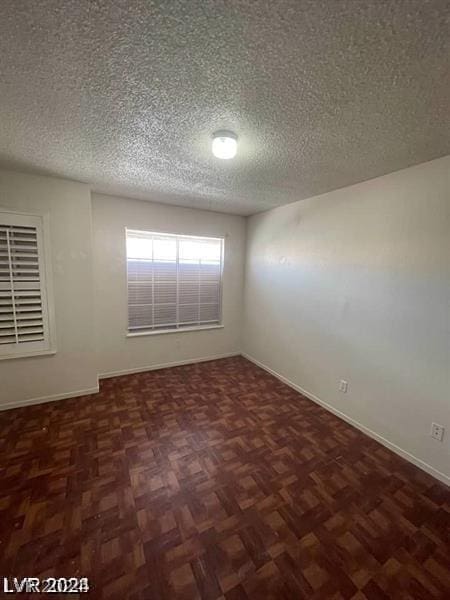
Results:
<point x="115" y="351"/>
<point x="355" y="285"/>
<point x="72" y="369"/>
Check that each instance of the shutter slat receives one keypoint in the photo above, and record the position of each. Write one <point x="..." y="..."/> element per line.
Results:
<point x="28" y="330"/>
<point x="31" y="338"/>
<point x="24" y="241"/>
<point x="19" y="255"/>
<point x="26" y="293"/>
<point x="28" y="316"/>
<point x="27" y="249"/>
<point x="22" y="271"/>
<point x="7" y="331"/>
<point x="31" y="285"/>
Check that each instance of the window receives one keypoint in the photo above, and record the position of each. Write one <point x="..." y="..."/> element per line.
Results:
<point x="174" y="281"/>
<point x="24" y="295"/>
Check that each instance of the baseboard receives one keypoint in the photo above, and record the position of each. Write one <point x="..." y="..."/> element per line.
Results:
<point x="178" y="363"/>
<point x="43" y="399"/>
<point x="95" y="390"/>
<point x="390" y="445"/>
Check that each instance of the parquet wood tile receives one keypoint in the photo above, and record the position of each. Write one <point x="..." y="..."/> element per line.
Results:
<point x="211" y="481"/>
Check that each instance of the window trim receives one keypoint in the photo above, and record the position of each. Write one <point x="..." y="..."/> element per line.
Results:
<point x="187" y="328"/>
<point x="47" y="293"/>
<point x="179" y="330"/>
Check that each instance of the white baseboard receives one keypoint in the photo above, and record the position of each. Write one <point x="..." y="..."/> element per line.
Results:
<point x="43" y="399"/>
<point x="390" y="445"/>
<point x="177" y="363"/>
<point x="95" y="390"/>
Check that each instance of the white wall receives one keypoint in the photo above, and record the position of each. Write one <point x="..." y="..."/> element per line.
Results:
<point x="72" y="368"/>
<point x="115" y="351"/>
<point x="355" y="284"/>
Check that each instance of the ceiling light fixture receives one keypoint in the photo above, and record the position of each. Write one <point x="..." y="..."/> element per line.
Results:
<point x="224" y="144"/>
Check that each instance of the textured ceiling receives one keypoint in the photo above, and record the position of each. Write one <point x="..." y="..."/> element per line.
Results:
<point x="125" y="94"/>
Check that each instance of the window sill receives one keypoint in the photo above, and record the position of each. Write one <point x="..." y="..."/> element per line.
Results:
<point x="180" y="330"/>
<point x="28" y="354"/>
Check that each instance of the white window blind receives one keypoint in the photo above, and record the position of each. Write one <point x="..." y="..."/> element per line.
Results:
<point x="174" y="281"/>
<point x="24" y="317"/>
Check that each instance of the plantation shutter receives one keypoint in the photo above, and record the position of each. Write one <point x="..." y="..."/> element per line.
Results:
<point x="173" y="281"/>
<point x="24" y="326"/>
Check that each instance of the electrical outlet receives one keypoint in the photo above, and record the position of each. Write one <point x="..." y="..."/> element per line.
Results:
<point x="343" y="386"/>
<point x="437" y="432"/>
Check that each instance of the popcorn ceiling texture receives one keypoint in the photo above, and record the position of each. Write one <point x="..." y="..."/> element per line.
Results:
<point x="125" y="95"/>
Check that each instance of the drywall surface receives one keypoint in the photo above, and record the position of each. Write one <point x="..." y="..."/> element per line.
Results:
<point x="355" y="285"/>
<point x="115" y="351"/>
<point x="71" y="370"/>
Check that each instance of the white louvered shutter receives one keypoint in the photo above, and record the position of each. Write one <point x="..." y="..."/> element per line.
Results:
<point x="174" y="281"/>
<point x="24" y="323"/>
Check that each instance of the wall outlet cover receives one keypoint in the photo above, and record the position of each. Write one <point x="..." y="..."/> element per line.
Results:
<point x="343" y="386"/>
<point x="437" y="432"/>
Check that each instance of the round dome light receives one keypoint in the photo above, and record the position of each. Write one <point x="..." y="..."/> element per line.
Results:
<point x="224" y="144"/>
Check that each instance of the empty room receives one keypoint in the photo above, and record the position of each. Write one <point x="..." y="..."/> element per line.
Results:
<point x="225" y="299"/>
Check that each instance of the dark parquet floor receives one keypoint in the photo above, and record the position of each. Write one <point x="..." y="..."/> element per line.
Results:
<point x="213" y="481"/>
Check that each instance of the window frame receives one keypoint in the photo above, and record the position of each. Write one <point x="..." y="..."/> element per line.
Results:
<point x="47" y="290"/>
<point x="185" y="328"/>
